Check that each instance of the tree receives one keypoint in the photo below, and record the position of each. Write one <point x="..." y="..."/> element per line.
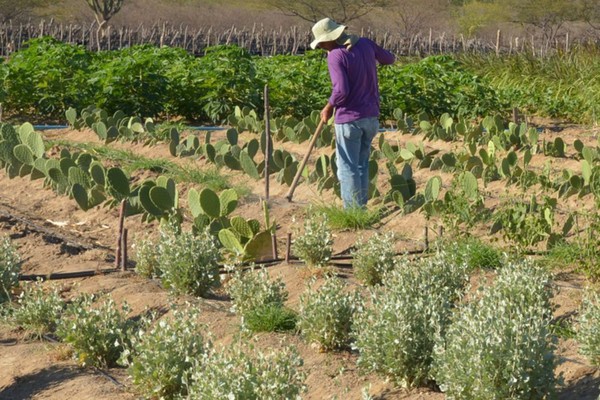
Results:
<point x="547" y="15"/>
<point x="411" y="18"/>
<point x="590" y="12"/>
<point x="104" y="10"/>
<point x="11" y="9"/>
<point x="341" y="11"/>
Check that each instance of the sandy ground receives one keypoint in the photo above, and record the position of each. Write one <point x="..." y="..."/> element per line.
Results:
<point x="54" y="235"/>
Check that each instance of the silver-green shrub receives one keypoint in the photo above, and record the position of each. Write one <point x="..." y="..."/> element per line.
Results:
<point x="240" y="372"/>
<point x="188" y="263"/>
<point x="37" y="310"/>
<point x="373" y="257"/>
<point x="98" y="333"/>
<point x="499" y="346"/>
<point x="315" y="245"/>
<point x="160" y="357"/>
<point x="147" y="262"/>
<point x="396" y="334"/>
<point x="327" y="314"/>
<point x="251" y="289"/>
<point x="588" y="331"/>
<point x="10" y="266"/>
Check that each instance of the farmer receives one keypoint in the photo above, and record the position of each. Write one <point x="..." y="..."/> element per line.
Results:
<point x="352" y="63"/>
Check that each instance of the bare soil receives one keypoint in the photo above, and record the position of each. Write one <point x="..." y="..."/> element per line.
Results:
<point x="53" y="235"/>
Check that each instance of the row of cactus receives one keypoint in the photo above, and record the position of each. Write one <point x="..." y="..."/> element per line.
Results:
<point x="285" y="129"/>
<point x="111" y="127"/>
<point x="82" y="177"/>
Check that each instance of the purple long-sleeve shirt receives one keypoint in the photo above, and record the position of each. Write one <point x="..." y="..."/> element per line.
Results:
<point x="353" y="73"/>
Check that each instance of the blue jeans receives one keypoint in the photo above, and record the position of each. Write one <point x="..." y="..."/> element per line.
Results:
<point x="353" y="148"/>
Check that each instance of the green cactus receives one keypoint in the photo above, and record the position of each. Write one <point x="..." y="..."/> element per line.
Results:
<point x="161" y="198"/>
<point x="232" y="136"/>
<point x="210" y="203"/>
<point x="80" y="195"/>
<point x="469" y="185"/>
<point x="230" y="241"/>
<point x="146" y="202"/>
<point x="231" y="162"/>
<point x="248" y="165"/>
<point x="23" y="154"/>
<point x="71" y="115"/>
<point x="586" y="172"/>
<point x="228" y="201"/>
<point x="35" y="142"/>
<point x="78" y="176"/>
<point x="117" y="183"/>
<point x="98" y="173"/>
<point x="432" y="189"/>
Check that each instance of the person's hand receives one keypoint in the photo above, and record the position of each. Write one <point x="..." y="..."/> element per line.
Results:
<point x="326" y="113"/>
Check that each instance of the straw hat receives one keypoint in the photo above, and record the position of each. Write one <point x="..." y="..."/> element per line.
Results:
<point x="326" y="30"/>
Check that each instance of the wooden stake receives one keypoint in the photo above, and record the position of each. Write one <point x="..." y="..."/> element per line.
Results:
<point x="124" y="250"/>
<point x="267" y="142"/>
<point x="274" y="245"/>
<point x="120" y="233"/>
<point x="288" y="248"/>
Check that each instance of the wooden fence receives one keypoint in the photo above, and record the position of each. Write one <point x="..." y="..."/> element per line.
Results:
<point x="261" y="41"/>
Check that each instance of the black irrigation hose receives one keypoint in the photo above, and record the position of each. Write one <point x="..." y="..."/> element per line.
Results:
<point x="67" y="275"/>
<point x="33" y="227"/>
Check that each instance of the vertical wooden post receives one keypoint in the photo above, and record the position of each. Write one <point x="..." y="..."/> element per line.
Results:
<point x="274" y="245"/>
<point x="267" y="142"/>
<point x="120" y="233"/>
<point x="288" y="247"/>
<point x="124" y="250"/>
<point x="498" y="43"/>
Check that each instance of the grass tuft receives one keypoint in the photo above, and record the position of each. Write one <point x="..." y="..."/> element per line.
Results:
<point x="354" y="218"/>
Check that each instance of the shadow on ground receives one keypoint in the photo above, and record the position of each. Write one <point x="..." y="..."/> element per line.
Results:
<point x="25" y="387"/>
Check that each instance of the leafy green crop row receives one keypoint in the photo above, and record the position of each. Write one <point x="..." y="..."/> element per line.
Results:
<point x="44" y="79"/>
<point x="564" y="85"/>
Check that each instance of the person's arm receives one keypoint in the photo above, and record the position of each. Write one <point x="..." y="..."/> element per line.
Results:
<point x="339" y="80"/>
<point x="383" y="56"/>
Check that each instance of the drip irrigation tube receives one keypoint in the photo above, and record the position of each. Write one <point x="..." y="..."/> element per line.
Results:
<point x="194" y="128"/>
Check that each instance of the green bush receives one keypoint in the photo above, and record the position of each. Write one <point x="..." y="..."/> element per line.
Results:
<point x="395" y="335"/>
<point x="474" y="253"/>
<point x="499" y="346"/>
<point x="270" y="318"/>
<point x="374" y="257"/>
<point x="134" y="80"/>
<point x="315" y="245"/>
<point x="251" y="289"/>
<point x="435" y="85"/>
<point x="327" y="313"/>
<point x="10" y="266"/>
<point x="98" y="333"/>
<point x="47" y="77"/>
<point x="37" y="310"/>
<point x="160" y="358"/>
<point x="188" y="264"/>
<point x="588" y="332"/>
<point x="240" y="372"/>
